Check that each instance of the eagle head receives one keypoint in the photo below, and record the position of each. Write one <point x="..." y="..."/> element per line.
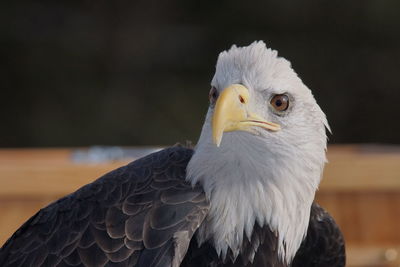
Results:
<point x="261" y="151"/>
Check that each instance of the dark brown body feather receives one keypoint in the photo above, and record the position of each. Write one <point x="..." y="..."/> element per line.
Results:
<point x="145" y="214"/>
<point x="323" y="247"/>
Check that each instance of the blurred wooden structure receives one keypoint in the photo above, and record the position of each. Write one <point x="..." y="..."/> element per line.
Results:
<point x="361" y="189"/>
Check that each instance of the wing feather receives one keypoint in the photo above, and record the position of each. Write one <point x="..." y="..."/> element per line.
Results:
<point x="132" y="216"/>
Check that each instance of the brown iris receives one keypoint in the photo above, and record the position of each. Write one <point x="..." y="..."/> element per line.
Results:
<point x="213" y="95"/>
<point x="280" y="102"/>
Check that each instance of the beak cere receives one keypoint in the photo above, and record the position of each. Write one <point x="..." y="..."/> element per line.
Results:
<point x="231" y="113"/>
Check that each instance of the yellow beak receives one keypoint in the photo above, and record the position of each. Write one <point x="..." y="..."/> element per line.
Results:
<point x="231" y="113"/>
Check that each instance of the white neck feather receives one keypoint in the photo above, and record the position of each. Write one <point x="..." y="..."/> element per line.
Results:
<point x="251" y="181"/>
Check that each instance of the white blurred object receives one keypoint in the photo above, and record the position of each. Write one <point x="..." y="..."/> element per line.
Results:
<point x="102" y="154"/>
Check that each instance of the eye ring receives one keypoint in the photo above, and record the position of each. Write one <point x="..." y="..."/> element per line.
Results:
<point x="280" y="102"/>
<point x="213" y="95"/>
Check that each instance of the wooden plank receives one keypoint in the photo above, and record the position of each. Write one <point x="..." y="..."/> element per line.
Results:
<point x="50" y="180"/>
<point x="365" y="218"/>
<point x="30" y="172"/>
<point x="373" y="256"/>
<point x="362" y="168"/>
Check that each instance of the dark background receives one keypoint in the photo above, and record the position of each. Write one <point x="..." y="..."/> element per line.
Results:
<point x="77" y="73"/>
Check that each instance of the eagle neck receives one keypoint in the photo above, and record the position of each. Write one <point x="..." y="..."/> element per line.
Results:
<point x="254" y="184"/>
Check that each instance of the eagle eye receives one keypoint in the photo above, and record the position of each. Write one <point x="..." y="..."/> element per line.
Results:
<point x="280" y="102"/>
<point x="213" y="95"/>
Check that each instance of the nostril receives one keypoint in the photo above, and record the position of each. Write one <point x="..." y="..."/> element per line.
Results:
<point x="241" y="99"/>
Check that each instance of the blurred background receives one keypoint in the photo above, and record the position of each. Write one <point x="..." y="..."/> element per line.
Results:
<point x="76" y="74"/>
<point x="79" y="73"/>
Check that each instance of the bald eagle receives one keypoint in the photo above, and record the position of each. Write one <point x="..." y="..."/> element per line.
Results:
<point x="244" y="196"/>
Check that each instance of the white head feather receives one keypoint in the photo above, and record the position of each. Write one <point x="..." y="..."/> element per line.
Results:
<point x="268" y="177"/>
